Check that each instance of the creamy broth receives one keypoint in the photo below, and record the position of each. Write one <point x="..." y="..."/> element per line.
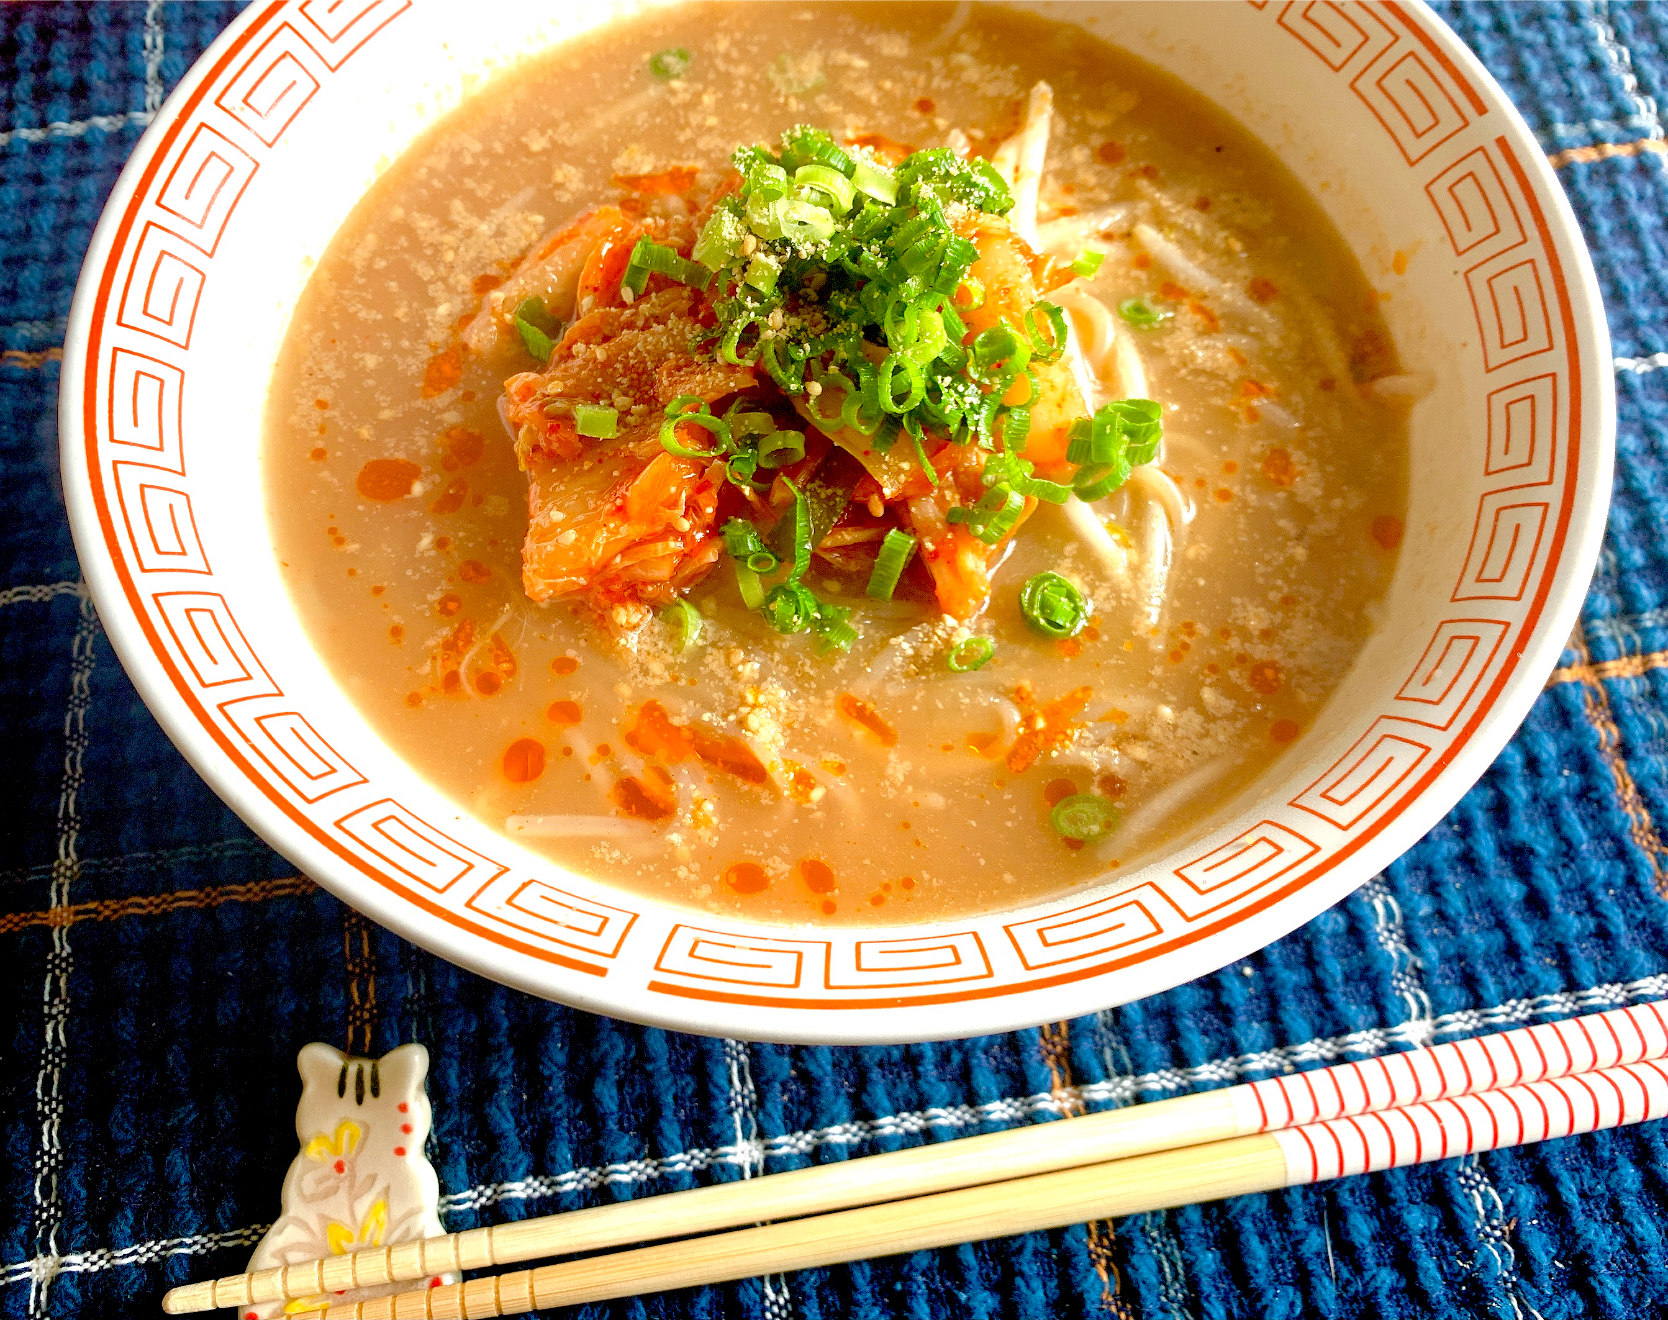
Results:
<point x="893" y="788"/>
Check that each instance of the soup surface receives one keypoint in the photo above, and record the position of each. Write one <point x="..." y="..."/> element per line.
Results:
<point x="743" y="770"/>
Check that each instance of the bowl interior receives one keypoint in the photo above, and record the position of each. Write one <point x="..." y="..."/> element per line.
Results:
<point x="1414" y="154"/>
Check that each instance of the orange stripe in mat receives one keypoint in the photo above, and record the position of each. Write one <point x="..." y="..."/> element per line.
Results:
<point x="1604" y="151"/>
<point x="155" y="905"/>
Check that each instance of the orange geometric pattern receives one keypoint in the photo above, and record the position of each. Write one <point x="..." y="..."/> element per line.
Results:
<point x="206" y="163"/>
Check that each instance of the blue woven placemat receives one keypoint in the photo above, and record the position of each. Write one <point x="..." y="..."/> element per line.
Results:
<point x="159" y="967"/>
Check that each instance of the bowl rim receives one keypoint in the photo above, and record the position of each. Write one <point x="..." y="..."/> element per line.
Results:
<point x="1560" y="596"/>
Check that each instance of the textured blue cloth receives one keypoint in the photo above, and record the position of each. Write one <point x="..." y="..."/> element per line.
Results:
<point x="146" y="1077"/>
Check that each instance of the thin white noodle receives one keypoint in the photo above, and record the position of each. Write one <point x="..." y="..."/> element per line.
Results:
<point x="1159" y="808"/>
<point x="1406" y="387"/>
<point x="1067" y="235"/>
<point x="575" y="827"/>
<point x="1156" y="545"/>
<point x="1085" y="521"/>
<point x="1183" y="267"/>
<point x="1155" y="482"/>
<point x="1276" y="416"/>
<point x="1028" y="162"/>
<point x="957" y="21"/>
<point x="481" y="640"/>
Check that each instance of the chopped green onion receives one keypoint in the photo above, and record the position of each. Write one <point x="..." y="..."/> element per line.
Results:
<point x="673" y="62"/>
<point x="969" y="654"/>
<point x="875" y="181"/>
<point x="798" y="519"/>
<point x="1084" y="817"/>
<point x="831" y="183"/>
<point x="761" y="273"/>
<point x="833" y="628"/>
<point x="790" y="608"/>
<point x="804" y="145"/>
<point x="1017" y="472"/>
<point x="730" y="344"/>
<point x="685" y="622"/>
<point x="675" y="417"/>
<point x="1140" y="420"/>
<point x="653" y="258"/>
<point x="895" y="552"/>
<point x="742" y="539"/>
<point x="536" y="327"/>
<point x="747" y="582"/>
<point x="780" y="448"/>
<point x="994" y="516"/>
<point x="720" y="239"/>
<point x="1053" y="606"/>
<point x="1143" y="315"/>
<point x="1046" y="350"/>
<point x="915" y="378"/>
<point x="597" y="422"/>
<point x="1088" y="262"/>
<point x="1095" y="481"/>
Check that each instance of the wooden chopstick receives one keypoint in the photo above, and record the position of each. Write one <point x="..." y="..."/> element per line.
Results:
<point x="1528" y="1054"/>
<point x="1315" y="1152"/>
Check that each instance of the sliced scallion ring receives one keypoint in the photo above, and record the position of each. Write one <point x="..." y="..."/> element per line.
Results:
<point x="684" y="621"/>
<point x="969" y="654"/>
<point x="894" y="556"/>
<point x="1053" y="606"/>
<point x="1084" y="817"/>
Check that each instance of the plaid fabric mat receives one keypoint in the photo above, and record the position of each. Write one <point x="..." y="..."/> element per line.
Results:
<point x="160" y="966"/>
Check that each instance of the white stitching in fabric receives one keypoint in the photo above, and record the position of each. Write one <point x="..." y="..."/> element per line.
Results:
<point x="55" y="995"/>
<point x="1012" y="1109"/>
<point x="39" y="592"/>
<point x="1409" y="984"/>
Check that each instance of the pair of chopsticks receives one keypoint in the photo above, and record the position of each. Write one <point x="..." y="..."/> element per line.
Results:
<point x="1509" y="1089"/>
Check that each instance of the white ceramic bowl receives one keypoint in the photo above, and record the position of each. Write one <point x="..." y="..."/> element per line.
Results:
<point x="257" y="157"/>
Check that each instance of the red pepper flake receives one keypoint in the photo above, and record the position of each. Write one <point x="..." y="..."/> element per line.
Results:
<point x="746" y="877"/>
<point x="1212" y="322"/>
<point x="1058" y="790"/>
<point x="323" y="405"/>
<point x="387" y="479"/>
<point x="1283" y="731"/>
<point x="1280" y="469"/>
<point x="487" y="683"/>
<point x="318" y="455"/>
<point x="1262" y="290"/>
<point x="1387" y="531"/>
<point x="818" y="875"/>
<point x="652" y="731"/>
<point x="1111" y="153"/>
<point x="1170" y="291"/>
<point x="925" y="105"/>
<point x="1046" y="727"/>
<point x="1201" y="203"/>
<point x="448" y="605"/>
<point x="652" y="796"/>
<point x="865" y="716"/>
<point x="464" y="445"/>
<point x="563" y="665"/>
<point x="524" y="760"/>
<point x="451" y="499"/>
<point x="1265" y="677"/>
<point x="396" y="634"/>
<point x="473" y="570"/>
<point x="443" y="371"/>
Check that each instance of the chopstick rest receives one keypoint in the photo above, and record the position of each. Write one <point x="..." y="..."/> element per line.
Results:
<point x="360" y="1177"/>
<point x="1527" y="1054"/>
<point x="1315" y="1152"/>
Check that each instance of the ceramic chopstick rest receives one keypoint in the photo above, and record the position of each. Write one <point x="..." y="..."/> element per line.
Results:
<point x="360" y="1178"/>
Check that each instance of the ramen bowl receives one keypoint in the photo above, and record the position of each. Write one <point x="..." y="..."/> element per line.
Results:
<point x="1416" y="157"/>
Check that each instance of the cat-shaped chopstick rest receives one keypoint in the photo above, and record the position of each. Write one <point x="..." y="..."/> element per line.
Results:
<point x="360" y="1178"/>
